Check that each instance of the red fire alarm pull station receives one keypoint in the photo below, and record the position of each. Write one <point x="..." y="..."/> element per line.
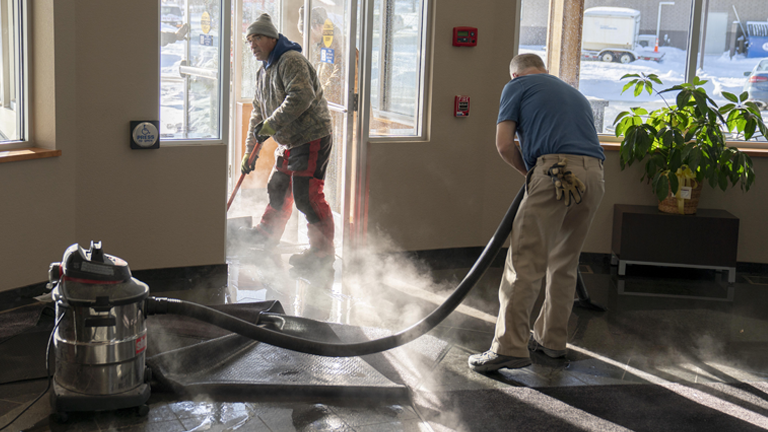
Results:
<point x="461" y="106"/>
<point x="464" y="36"/>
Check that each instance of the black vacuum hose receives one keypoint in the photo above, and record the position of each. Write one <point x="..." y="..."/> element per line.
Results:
<point x="161" y="305"/>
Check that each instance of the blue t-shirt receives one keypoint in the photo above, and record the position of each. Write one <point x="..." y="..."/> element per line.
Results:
<point x="551" y="116"/>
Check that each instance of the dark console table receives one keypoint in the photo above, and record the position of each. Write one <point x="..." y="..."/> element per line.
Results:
<point x="644" y="235"/>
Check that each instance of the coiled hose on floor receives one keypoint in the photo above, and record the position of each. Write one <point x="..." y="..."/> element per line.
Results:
<point x="160" y="305"/>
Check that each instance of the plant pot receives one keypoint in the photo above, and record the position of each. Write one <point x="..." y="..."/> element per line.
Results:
<point x="671" y="205"/>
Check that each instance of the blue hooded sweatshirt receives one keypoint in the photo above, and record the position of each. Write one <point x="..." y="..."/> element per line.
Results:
<point x="283" y="45"/>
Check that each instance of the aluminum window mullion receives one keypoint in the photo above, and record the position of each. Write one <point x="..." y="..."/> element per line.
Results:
<point x="22" y="87"/>
<point x="425" y="29"/>
<point x="382" y="54"/>
<point x="225" y="30"/>
<point x="5" y="47"/>
<point x="364" y="89"/>
<point x="694" y="40"/>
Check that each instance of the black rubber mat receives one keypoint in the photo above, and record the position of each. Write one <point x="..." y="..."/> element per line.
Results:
<point x="170" y="332"/>
<point x="191" y="357"/>
<point x="23" y="356"/>
<point x="25" y="332"/>
<point x="233" y="367"/>
<point x="22" y="318"/>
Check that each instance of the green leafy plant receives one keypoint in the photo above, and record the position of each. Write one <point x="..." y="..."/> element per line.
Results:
<point x="690" y="135"/>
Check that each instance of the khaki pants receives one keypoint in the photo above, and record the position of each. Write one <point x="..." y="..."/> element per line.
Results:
<point x="546" y="241"/>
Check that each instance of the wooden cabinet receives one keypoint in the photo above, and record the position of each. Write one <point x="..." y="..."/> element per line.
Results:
<point x="644" y="235"/>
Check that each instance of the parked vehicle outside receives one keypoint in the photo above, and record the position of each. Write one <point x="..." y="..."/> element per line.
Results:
<point x="611" y="34"/>
<point x="757" y="84"/>
<point x="171" y="15"/>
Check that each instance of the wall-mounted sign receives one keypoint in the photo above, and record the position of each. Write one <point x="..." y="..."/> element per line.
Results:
<point x="145" y="134"/>
<point x="206" y="40"/>
<point x="205" y="22"/>
<point x="326" y="55"/>
<point x="327" y="33"/>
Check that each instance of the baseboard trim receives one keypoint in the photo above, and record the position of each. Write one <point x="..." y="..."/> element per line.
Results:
<point x="159" y="280"/>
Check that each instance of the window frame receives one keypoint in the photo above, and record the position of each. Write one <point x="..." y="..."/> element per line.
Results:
<point x="422" y="117"/>
<point x="695" y="35"/>
<point x="21" y="58"/>
<point x="224" y="81"/>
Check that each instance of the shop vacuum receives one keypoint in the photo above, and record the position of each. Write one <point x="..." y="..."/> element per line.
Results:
<point x="100" y="333"/>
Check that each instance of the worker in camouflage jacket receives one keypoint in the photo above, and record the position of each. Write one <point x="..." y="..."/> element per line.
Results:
<point x="289" y="106"/>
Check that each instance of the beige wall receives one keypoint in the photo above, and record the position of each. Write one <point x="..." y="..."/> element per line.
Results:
<point x="444" y="193"/>
<point x="453" y="190"/>
<point x="96" y="69"/>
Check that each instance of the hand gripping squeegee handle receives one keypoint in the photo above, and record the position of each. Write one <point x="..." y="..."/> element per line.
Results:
<point x="156" y="305"/>
<point x="251" y="158"/>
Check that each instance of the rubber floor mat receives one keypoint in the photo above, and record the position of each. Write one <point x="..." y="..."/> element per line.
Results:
<point x="233" y="367"/>
<point x="24" y="333"/>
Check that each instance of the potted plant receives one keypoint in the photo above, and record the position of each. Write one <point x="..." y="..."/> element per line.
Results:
<point x="685" y="144"/>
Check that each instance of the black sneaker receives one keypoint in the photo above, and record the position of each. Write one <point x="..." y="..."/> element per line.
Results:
<point x="489" y="361"/>
<point x="534" y="346"/>
<point x="311" y="259"/>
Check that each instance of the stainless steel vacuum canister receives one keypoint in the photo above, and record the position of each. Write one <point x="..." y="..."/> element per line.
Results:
<point x="101" y="338"/>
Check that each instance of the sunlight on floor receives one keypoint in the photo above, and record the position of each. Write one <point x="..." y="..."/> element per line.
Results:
<point x="695" y="395"/>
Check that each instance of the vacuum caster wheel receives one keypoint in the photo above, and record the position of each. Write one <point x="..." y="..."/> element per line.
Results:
<point x="61" y="417"/>
<point x="142" y="410"/>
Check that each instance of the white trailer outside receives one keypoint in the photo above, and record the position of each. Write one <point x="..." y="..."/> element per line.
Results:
<point x="612" y="34"/>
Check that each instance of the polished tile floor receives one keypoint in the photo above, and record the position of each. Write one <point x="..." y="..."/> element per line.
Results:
<point x="672" y="343"/>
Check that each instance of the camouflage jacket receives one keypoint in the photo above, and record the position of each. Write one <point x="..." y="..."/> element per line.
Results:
<point x="289" y="96"/>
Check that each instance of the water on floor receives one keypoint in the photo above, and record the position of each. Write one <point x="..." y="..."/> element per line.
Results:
<point x="674" y="346"/>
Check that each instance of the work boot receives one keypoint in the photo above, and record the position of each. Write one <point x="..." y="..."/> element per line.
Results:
<point x="534" y="346"/>
<point x="312" y="259"/>
<point x="489" y="361"/>
<point x="258" y="237"/>
<point x="321" y="252"/>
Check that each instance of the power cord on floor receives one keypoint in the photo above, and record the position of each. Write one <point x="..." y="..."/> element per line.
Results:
<point x="47" y="370"/>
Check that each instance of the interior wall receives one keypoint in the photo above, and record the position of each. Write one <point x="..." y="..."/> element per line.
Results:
<point x="445" y="192"/>
<point x="94" y="69"/>
<point x="452" y="190"/>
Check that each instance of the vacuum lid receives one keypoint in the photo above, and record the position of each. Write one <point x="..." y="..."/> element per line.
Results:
<point x="93" y="278"/>
<point x="93" y="265"/>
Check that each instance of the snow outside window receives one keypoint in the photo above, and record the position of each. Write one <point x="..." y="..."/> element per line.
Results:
<point x="191" y="46"/>
<point x="13" y="129"/>
<point x="397" y="68"/>
<point x="653" y="37"/>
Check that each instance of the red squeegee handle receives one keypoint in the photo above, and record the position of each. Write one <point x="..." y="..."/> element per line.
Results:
<point x="251" y="159"/>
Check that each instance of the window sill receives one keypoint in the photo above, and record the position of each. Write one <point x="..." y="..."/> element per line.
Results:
<point x="751" y="152"/>
<point x="27" y="153"/>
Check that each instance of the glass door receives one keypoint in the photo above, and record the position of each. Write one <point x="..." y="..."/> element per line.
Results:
<point x="327" y="36"/>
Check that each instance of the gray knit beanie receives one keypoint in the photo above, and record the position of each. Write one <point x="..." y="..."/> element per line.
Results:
<point x="262" y="26"/>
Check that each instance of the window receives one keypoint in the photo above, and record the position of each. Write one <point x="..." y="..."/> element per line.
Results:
<point x="631" y="36"/>
<point x="397" y="68"/>
<point x="193" y="96"/>
<point x="13" y="121"/>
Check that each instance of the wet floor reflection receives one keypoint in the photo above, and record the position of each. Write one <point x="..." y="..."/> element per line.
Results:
<point x="698" y="339"/>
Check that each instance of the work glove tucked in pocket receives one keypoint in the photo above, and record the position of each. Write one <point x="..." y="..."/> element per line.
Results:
<point x="566" y="183"/>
